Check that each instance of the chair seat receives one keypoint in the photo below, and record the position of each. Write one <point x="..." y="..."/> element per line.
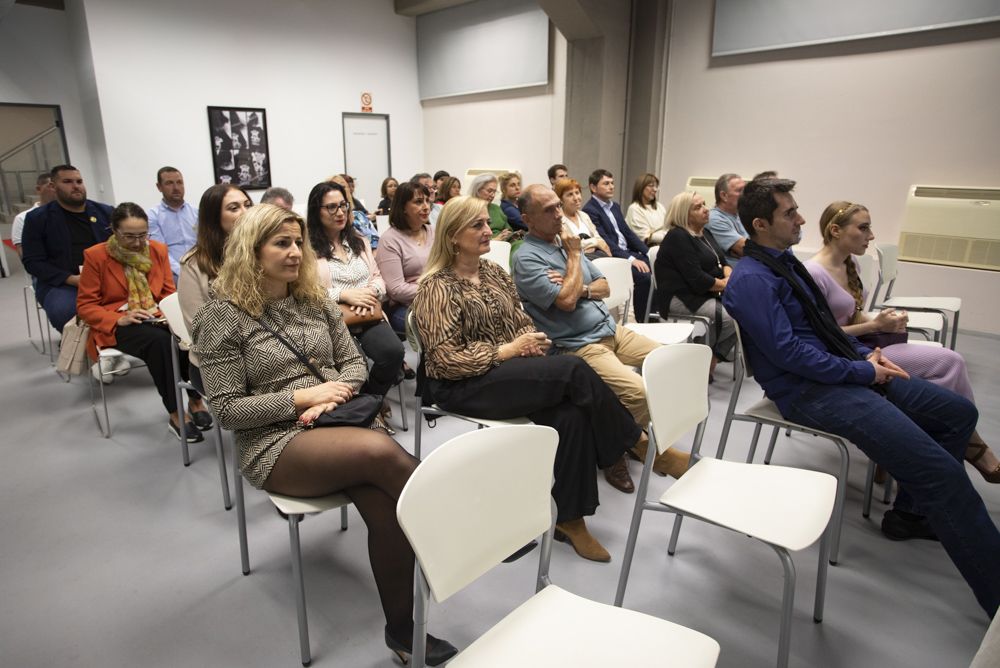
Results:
<point x="932" y="344"/>
<point x="953" y="304"/>
<point x="111" y="353"/>
<point x="663" y="332"/>
<point x="293" y="505"/>
<point x="483" y="421"/>
<point x="558" y="628"/>
<point x="919" y="320"/>
<point x="784" y="506"/>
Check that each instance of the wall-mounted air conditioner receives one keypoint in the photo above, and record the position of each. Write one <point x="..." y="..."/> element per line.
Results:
<point x="704" y="186"/>
<point x="953" y="226"/>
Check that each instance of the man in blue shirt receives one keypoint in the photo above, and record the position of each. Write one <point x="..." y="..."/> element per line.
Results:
<point x="623" y="242"/>
<point x="724" y="220"/>
<point x="823" y="379"/>
<point x="54" y="238"/>
<point x="564" y="293"/>
<point x="173" y="221"/>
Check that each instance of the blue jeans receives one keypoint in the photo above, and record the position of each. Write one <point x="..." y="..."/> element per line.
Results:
<point x="918" y="432"/>
<point x="60" y="305"/>
<point x="397" y="317"/>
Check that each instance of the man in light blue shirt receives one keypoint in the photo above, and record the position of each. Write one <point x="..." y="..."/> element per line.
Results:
<point x="564" y="294"/>
<point x="173" y="221"/>
<point x="724" y="221"/>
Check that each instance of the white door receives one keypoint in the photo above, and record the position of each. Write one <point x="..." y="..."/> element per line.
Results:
<point x="366" y="154"/>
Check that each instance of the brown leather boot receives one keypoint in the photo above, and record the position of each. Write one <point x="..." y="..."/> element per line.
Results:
<point x="618" y="477"/>
<point x="575" y="533"/>
<point x="673" y="462"/>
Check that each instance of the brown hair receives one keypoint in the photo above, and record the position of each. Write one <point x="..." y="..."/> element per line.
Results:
<point x="840" y="213"/>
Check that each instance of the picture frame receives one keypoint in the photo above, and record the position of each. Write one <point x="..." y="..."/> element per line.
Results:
<point x="238" y="140"/>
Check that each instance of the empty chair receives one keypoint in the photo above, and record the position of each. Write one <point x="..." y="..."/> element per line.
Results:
<point x="785" y="508"/>
<point x="500" y="253"/>
<point x="466" y="484"/>
<point x="618" y="271"/>
<point x="888" y="255"/>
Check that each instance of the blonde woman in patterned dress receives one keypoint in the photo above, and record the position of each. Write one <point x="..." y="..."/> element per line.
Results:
<point x="484" y="358"/>
<point x="262" y="392"/>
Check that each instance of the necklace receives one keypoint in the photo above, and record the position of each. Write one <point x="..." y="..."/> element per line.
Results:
<point x="419" y="236"/>
<point x="718" y="260"/>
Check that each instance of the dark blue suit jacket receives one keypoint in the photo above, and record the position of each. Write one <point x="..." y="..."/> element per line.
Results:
<point x="606" y="228"/>
<point x="47" y="247"/>
<point x="513" y="215"/>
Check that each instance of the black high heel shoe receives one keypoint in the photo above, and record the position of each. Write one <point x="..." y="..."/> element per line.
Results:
<point x="438" y="651"/>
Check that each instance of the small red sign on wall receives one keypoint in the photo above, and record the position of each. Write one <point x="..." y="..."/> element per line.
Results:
<point x="366" y="103"/>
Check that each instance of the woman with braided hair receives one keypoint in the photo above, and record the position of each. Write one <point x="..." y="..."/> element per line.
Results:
<point x="847" y="231"/>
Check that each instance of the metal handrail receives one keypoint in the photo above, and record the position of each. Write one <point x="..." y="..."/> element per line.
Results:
<point x="28" y="142"/>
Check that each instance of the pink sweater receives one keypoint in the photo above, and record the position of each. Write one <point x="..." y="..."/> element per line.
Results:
<point x="401" y="261"/>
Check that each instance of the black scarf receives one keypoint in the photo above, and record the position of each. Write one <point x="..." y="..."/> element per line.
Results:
<point x="817" y="310"/>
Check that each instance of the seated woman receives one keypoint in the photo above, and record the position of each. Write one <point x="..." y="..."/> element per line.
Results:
<point x="484" y="186"/>
<point x="388" y="190"/>
<point x="484" y="358"/>
<point x="347" y="271"/>
<point x="451" y="187"/>
<point x="577" y="222"/>
<point x="847" y="231"/>
<point x="645" y="215"/>
<point x="405" y="247"/>
<point x="218" y="212"/>
<point x="691" y="272"/>
<point x="122" y="281"/>
<point x="261" y="390"/>
<point x="510" y="190"/>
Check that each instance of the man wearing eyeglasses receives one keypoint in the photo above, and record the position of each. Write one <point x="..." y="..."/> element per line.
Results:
<point x="54" y="238"/>
<point x="173" y="221"/>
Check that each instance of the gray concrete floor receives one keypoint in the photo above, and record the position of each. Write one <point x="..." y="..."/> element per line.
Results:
<point x="114" y="554"/>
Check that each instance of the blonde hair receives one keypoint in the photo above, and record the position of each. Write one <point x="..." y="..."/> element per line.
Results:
<point x="840" y="213"/>
<point x="677" y="212"/>
<point x="457" y="214"/>
<point x="241" y="279"/>
<point x="506" y="178"/>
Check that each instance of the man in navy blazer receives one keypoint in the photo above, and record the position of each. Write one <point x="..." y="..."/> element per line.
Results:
<point x="623" y="242"/>
<point x="54" y="238"/>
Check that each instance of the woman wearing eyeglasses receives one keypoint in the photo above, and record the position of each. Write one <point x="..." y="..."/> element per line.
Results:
<point x="348" y="272"/>
<point x="122" y="281"/>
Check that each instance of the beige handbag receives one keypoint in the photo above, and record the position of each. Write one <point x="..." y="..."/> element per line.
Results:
<point x="73" y="358"/>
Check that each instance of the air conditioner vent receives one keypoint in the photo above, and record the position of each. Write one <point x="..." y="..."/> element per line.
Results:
<point x="701" y="182"/>
<point x="950" y="251"/>
<point x="992" y="194"/>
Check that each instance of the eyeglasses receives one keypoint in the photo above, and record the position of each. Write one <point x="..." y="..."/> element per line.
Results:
<point x="133" y="237"/>
<point x="332" y="209"/>
<point x="489" y="191"/>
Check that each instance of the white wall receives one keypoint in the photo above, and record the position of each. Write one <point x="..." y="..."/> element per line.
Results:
<point x="39" y="68"/>
<point x="861" y="127"/>
<point x="159" y="65"/>
<point x="521" y="130"/>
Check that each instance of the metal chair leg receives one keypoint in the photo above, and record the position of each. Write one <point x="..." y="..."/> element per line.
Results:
<point x="402" y="407"/>
<point x="633" y="531"/>
<point x="824" y="547"/>
<point x="241" y="514"/>
<point x="787" y="603"/>
<point x="866" y="507"/>
<point x="343" y="518"/>
<point x="675" y="533"/>
<point x="753" y="443"/>
<point x="181" y="413"/>
<point x="298" y="582"/>
<point x="770" y="445"/>
<point x="105" y="427"/>
<point x="220" y="453"/>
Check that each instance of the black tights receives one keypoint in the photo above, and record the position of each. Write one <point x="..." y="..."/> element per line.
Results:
<point x="371" y="469"/>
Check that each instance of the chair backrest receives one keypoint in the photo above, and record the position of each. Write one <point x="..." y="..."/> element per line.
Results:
<point x="412" y="334"/>
<point x="888" y="266"/>
<point x="381" y="224"/>
<point x="676" y="382"/>
<point x="868" y="271"/>
<point x="477" y="499"/>
<point x="171" y="308"/>
<point x="653" y="252"/>
<point x="618" y="271"/>
<point x="500" y="253"/>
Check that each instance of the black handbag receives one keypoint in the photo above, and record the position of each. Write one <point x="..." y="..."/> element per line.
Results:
<point x="360" y="411"/>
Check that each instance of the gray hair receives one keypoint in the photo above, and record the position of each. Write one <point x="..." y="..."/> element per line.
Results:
<point x="277" y="192"/>
<point x="722" y="185"/>
<point x="480" y="181"/>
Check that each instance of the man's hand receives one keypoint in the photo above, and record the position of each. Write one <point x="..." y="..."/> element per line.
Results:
<point x="570" y="242"/>
<point x="885" y="370"/>
<point x="640" y="265"/>
<point x="555" y="276"/>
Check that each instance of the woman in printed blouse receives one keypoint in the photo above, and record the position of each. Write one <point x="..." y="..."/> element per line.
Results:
<point x="261" y="390"/>
<point x="348" y="272"/>
<point x="484" y="358"/>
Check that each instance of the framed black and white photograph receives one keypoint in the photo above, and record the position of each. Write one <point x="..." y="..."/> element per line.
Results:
<point x="239" y="147"/>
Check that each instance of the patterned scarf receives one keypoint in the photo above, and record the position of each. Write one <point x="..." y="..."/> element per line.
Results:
<point x="137" y="265"/>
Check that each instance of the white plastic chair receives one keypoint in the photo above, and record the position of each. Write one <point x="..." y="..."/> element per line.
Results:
<point x="919" y="307"/>
<point x="381" y="224"/>
<point x="688" y="317"/>
<point x="435" y="411"/>
<point x="171" y="308"/>
<point x="499" y="253"/>
<point x="787" y="509"/>
<point x="618" y="271"/>
<point x="466" y="484"/>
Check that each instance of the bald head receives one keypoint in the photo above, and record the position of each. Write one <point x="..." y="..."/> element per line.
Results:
<point x="541" y="210"/>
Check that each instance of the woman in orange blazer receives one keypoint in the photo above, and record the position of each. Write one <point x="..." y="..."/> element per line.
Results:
<point x="122" y="281"/>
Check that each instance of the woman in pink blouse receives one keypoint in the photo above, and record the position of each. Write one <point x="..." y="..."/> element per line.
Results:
<point x="404" y="248"/>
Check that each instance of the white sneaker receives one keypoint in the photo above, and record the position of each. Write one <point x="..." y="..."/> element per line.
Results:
<point x="102" y="370"/>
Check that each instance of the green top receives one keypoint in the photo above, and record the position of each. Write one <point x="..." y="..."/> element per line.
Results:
<point x="498" y="223"/>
